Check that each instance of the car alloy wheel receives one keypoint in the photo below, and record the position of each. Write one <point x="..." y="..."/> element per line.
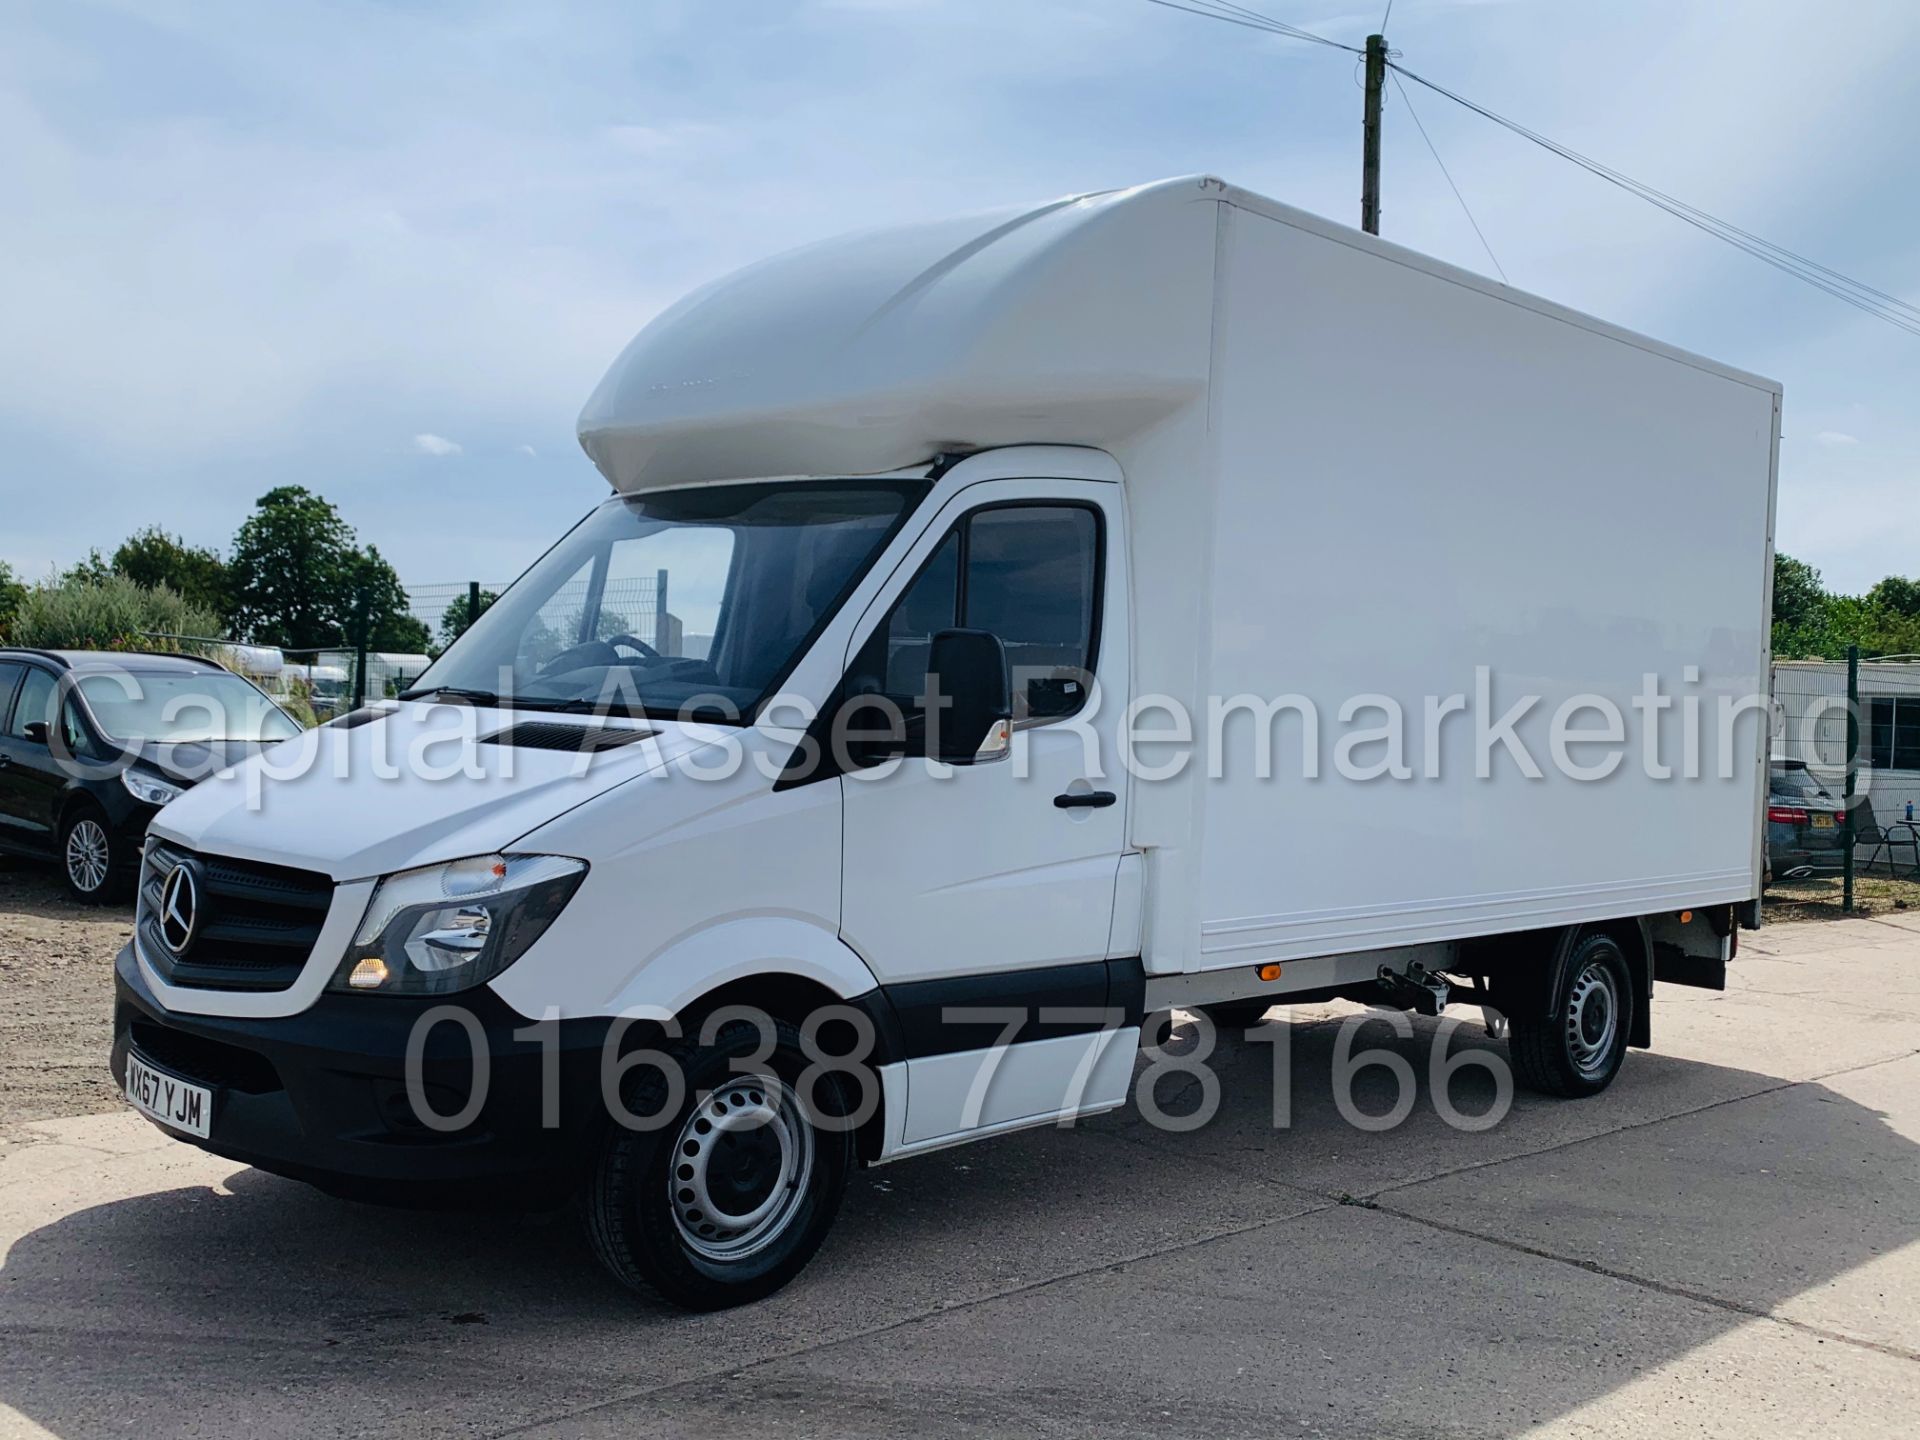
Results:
<point x="88" y="855"/>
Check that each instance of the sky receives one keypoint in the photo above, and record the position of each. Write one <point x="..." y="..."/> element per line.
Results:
<point x="385" y="250"/>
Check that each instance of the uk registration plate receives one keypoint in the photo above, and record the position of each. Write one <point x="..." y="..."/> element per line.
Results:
<point x="168" y="1099"/>
<point x="1823" y="822"/>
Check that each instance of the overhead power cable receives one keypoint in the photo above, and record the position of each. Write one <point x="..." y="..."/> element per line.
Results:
<point x="1896" y="312"/>
<point x="1250" y="19"/>
<point x="1449" y="175"/>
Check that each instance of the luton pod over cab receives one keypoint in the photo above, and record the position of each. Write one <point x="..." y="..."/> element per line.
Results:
<point x="1155" y="598"/>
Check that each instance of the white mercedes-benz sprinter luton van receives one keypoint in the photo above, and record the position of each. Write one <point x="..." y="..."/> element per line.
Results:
<point x="1157" y="598"/>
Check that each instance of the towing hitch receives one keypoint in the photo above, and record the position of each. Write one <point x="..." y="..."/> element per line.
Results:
<point x="1417" y="989"/>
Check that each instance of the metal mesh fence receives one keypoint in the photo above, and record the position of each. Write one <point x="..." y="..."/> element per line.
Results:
<point x="629" y="605"/>
<point x="442" y="608"/>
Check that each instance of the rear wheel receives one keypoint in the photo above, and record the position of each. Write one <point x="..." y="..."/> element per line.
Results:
<point x="1577" y="1048"/>
<point x="92" y="857"/>
<point x="730" y="1198"/>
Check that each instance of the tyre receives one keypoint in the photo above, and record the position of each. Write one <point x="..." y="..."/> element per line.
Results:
<point x="729" y="1199"/>
<point x="1577" y="1049"/>
<point x="95" y="859"/>
<point x="1237" y="1014"/>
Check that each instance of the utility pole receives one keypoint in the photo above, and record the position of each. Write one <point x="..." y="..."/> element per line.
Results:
<point x="1370" y="160"/>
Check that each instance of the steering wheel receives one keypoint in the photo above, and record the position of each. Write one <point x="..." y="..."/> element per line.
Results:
<point x="634" y="642"/>
<point x="601" y="652"/>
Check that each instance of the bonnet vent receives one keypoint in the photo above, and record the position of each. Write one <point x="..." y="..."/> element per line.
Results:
<point x="581" y="739"/>
<point x="354" y="719"/>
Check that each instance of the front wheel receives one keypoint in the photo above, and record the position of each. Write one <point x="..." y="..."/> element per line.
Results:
<point x="1576" y="1050"/>
<point x="92" y="857"/>
<point x="729" y="1199"/>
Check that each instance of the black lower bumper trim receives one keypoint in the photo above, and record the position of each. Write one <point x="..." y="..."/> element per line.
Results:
<point x="1050" y="1001"/>
<point x="322" y="1096"/>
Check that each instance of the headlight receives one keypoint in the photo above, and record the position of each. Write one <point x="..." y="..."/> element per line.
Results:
<point x="450" y="927"/>
<point x="149" y="787"/>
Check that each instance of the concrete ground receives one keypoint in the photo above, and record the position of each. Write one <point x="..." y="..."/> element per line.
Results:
<point x="1724" y="1244"/>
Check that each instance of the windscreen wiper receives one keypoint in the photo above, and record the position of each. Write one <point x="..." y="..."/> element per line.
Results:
<point x="452" y="692"/>
<point x="577" y="706"/>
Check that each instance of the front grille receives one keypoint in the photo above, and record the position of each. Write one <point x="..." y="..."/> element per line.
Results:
<point x="257" y="924"/>
<point x="208" y="1062"/>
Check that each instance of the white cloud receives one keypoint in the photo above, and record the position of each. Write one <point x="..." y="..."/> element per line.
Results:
<point x="435" y="445"/>
<point x="1832" y="438"/>
<point x="526" y="450"/>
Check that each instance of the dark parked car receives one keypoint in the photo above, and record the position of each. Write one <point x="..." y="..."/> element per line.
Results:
<point x="93" y="743"/>
<point x="1804" y="831"/>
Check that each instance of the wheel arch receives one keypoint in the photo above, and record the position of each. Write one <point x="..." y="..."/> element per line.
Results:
<point x="744" y="949"/>
<point x="1524" y="986"/>
<point x="786" y="966"/>
<point x="72" y="799"/>
<point x="123" y="820"/>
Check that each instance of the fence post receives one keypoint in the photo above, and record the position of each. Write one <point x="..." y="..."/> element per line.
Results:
<point x="360" y="652"/>
<point x="473" y="603"/>
<point x="660" y="637"/>
<point x="1853" y="766"/>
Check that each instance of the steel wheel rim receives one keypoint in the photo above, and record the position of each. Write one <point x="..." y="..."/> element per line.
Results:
<point x="87" y="855"/>
<point x="741" y="1166"/>
<point x="1593" y="1018"/>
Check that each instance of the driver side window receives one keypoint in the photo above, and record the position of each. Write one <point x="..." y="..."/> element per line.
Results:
<point x="893" y="662"/>
<point x="1030" y="575"/>
<point x="35" y="705"/>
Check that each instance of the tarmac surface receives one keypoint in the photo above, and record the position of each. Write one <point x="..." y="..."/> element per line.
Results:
<point x="1723" y="1244"/>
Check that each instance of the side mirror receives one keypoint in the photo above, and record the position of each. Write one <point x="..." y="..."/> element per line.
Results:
<point x="967" y="677"/>
<point x="36" y="732"/>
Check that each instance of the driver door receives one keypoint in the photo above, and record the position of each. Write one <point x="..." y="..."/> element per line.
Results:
<point x="31" y="777"/>
<point x="12" y="802"/>
<point x="990" y="887"/>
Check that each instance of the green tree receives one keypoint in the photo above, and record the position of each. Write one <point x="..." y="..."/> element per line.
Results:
<point x="93" y="570"/>
<point x="292" y="561"/>
<point x="298" y="580"/>
<point x="1810" y="622"/>
<point x="454" y="622"/>
<point x="1896" y="595"/>
<point x="1798" y="596"/>
<point x="12" y="592"/>
<point x="1803" y="611"/>
<point x="152" y="557"/>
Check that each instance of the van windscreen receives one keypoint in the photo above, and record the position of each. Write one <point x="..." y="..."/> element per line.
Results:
<point x="693" y="603"/>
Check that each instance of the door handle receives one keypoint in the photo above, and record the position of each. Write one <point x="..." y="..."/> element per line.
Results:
<point x="1091" y="800"/>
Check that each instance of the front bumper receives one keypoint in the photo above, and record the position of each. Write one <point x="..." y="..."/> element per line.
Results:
<point x="322" y="1096"/>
